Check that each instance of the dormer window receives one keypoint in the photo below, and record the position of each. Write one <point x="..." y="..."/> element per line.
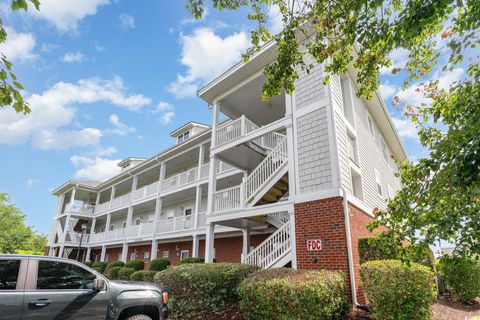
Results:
<point x="184" y="136"/>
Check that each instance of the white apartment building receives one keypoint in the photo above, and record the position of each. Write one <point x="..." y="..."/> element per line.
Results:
<point x="259" y="188"/>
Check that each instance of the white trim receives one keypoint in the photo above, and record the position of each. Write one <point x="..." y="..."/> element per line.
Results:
<point x="333" y="140"/>
<point x="318" y="195"/>
<point x="361" y="205"/>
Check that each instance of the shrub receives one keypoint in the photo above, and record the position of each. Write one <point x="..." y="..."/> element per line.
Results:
<point x="143" y="276"/>
<point x="136" y="264"/>
<point x="462" y="278"/>
<point x="113" y="272"/>
<point x="398" y="291"/>
<point x="116" y="264"/>
<point x="99" y="266"/>
<point x="200" y="289"/>
<point x="125" y="273"/>
<point x="192" y="260"/>
<point x="88" y="263"/>
<point x="384" y="247"/>
<point x="159" y="264"/>
<point x="293" y="294"/>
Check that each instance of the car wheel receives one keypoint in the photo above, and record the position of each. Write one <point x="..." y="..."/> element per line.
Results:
<point x="139" y="317"/>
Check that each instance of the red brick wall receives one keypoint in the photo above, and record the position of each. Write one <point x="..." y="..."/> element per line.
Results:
<point x="324" y="219"/>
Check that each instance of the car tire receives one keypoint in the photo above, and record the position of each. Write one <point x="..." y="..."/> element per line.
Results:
<point x="139" y="317"/>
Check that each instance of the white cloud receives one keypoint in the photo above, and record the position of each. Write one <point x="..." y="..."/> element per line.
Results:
<point x="405" y="128"/>
<point x="166" y="111"/>
<point x="121" y="129"/>
<point x="126" y="21"/>
<point x="206" y="55"/>
<point x="97" y="168"/>
<point x="275" y="19"/>
<point x="399" y="58"/>
<point x="65" y="15"/>
<point x="18" y="46"/>
<point x="31" y="182"/>
<point x="48" y="126"/>
<point x="387" y="90"/>
<point x="71" y="57"/>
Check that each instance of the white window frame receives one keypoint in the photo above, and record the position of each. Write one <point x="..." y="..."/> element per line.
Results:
<point x="184" y="136"/>
<point x="106" y="257"/>
<point x="124" y="224"/>
<point x="119" y="257"/>
<point x="165" y="254"/>
<point x="133" y="256"/>
<point x="146" y="256"/>
<point x="384" y="149"/>
<point x="185" y="211"/>
<point x="378" y="182"/>
<point x="370" y="126"/>
<point x="170" y="214"/>
<point x="112" y="227"/>
<point x="182" y="252"/>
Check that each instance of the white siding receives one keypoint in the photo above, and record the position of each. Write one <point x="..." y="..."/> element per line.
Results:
<point x="309" y="86"/>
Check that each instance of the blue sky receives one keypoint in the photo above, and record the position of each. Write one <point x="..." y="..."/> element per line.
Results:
<point x="110" y="79"/>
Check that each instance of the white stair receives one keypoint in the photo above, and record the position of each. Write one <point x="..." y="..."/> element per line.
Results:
<point x="274" y="252"/>
<point x="278" y="219"/>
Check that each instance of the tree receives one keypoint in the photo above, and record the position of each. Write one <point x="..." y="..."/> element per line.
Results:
<point x="10" y="88"/>
<point x="440" y="197"/>
<point x="14" y="234"/>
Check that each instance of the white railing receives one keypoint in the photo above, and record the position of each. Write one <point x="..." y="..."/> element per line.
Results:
<point x="83" y="208"/>
<point x="102" y="207"/>
<point x="175" y="224"/>
<point x="271" y="140"/>
<point x="140" y="230"/>
<point x="137" y="194"/>
<point x="270" y="250"/>
<point x="120" y="201"/>
<point x="145" y="191"/>
<point x="228" y="199"/>
<point x="204" y="170"/>
<point x="282" y="217"/>
<point x="180" y="179"/>
<point x="234" y="129"/>
<point x="116" y="234"/>
<point x="266" y="169"/>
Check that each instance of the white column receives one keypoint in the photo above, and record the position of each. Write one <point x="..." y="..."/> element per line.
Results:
<point x="129" y="217"/>
<point x="198" y="203"/>
<point x="92" y="227"/>
<point x="209" y="242"/>
<point x="97" y="201"/>
<point x="246" y="243"/>
<point x="89" y="252"/>
<point x="212" y="184"/>
<point x="104" y="251"/>
<point x="107" y="223"/>
<point x="201" y="156"/>
<point x="158" y="210"/>
<point x="216" y="109"/>
<point x="292" y="177"/>
<point x="67" y="223"/>
<point x="124" y="252"/>
<point x="112" y="196"/>
<point x="162" y="175"/>
<point x="195" y="245"/>
<point x="293" y="240"/>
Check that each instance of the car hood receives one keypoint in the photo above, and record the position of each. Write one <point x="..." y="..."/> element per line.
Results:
<point x="135" y="285"/>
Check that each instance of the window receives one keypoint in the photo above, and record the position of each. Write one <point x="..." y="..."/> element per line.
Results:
<point x="184" y="136"/>
<point x="384" y="150"/>
<point x="165" y="254"/>
<point x="378" y="182"/>
<point x="124" y="224"/>
<point x="102" y="229"/>
<point x="119" y="257"/>
<point x="170" y="214"/>
<point x="357" y="189"/>
<point x="112" y="227"/>
<point x="352" y="149"/>
<point x="106" y="257"/>
<point x="138" y="221"/>
<point x="133" y="256"/>
<point x="146" y="256"/>
<point x="187" y="211"/>
<point x="8" y="274"/>
<point x="183" y="254"/>
<point x="59" y="275"/>
<point x="150" y="218"/>
<point x="370" y="126"/>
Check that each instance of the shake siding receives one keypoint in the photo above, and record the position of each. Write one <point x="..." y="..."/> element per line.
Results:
<point x="371" y="158"/>
<point x="341" y="134"/>
<point x="309" y="86"/>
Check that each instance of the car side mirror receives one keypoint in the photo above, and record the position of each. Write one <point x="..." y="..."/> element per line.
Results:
<point x="98" y="284"/>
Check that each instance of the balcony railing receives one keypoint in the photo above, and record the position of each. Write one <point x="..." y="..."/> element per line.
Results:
<point x="228" y="199"/>
<point x="145" y="191"/>
<point x="140" y="230"/>
<point x="80" y="208"/>
<point x="180" y="179"/>
<point x="234" y="129"/>
<point x="121" y="201"/>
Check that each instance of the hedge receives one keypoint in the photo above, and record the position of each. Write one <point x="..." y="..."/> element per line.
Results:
<point x="99" y="266"/>
<point x="200" y="289"/>
<point x="192" y="260"/>
<point x="294" y="294"/>
<point x="116" y="264"/>
<point x="159" y="264"/>
<point x="382" y="248"/>
<point x="462" y="278"/>
<point x="113" y="272"/>
<point x="143" y="276"/>
<point x="125" y="273"/>
<point x="136" y="264"/>
<point x="88" y="263"/>
<point x="398" y="291"/>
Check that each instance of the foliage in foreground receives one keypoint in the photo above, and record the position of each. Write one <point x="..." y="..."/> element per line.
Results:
<point x="14" y="234"/>
<point x="136" y="264"/>
<point x="99" y="266"/>
<point x="113" y="272"/>
<point x="125" y="273"/>
<point x="142" y="275"/>
<point x="159" y="264"/>
<point x="192" y="260"/>
<point x="200" y="289"/>
<point x="462" y="277"/>
<point x="289" y="294"/>
<point x="116" y="264"/>
<point x="398" y="291"/>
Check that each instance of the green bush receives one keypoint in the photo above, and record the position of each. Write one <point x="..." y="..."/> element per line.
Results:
<point x="383" y="247"/>
<point x="293" y="294"/>
<point x="88" y="263"/>
<point x="462" y="278"/>
<point x="99" y="266"/>
<point x="125" y="273"/>
<point x="200" y="289"/>
<point x="159" y="264"/>
<point x="116" y="264"/>
<point x="143" y="276"/>
<point x="113" y="272"/>
<point x="136" y="264"/>
<point x="192" y="260"/>
<point x="398" y="291"/>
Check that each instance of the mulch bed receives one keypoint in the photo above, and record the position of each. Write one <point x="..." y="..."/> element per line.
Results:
<point x="446" y="309"/>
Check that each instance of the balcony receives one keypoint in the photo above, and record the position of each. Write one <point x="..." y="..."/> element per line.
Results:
<point x="145" y="191"/>
<point x="84" y="209"/>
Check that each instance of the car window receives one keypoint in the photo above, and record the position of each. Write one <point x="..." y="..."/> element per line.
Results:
<point x="8" y="274"/>
<point x="60" y="275"/>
